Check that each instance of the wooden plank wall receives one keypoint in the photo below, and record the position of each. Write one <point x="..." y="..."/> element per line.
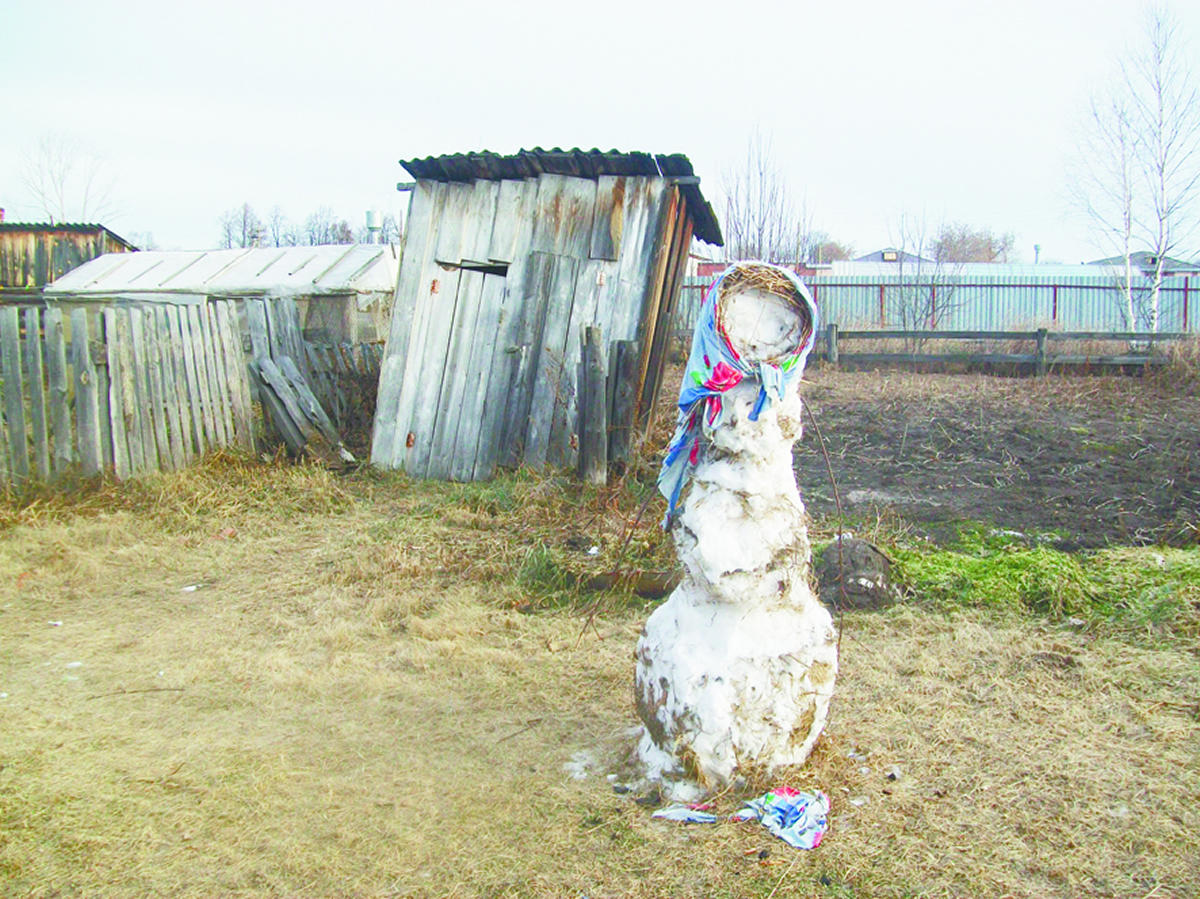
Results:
<point x="497" y="283"/>
<point x="128" y="388"/>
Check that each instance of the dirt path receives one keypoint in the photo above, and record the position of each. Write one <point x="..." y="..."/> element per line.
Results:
<point x="1098" y="461"/>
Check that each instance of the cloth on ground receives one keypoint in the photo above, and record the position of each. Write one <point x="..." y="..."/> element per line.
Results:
<point x="799" y="819"/>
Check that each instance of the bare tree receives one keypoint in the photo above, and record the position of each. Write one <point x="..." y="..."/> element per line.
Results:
<point x="66" y="180"/>
<point x="280" y="232"/>
<point x="1139" y="172"/>
<point x="958" y="242"/>
<point x="1102" y="184"/>
<point x="1165" y="100"/>
<point x="324" y="227"/>
<point x="824" y="248"/>
<point x="925" y="288"/>
<point x="240" y="227"/>
<point x="762" y="221"/>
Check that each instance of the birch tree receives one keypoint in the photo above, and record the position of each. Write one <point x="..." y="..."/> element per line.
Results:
<point x="1137" y="176"/>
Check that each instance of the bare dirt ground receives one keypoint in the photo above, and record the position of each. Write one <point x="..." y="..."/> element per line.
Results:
<point x="1097" y="461"/>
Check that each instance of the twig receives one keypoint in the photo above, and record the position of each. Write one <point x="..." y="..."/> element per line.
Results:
<point x="837" y="499"/>
<point x="146" y="690"/>
<point x="779" y="882"/>
<point x="595" y="607"/>
<point x="530" y="725"/>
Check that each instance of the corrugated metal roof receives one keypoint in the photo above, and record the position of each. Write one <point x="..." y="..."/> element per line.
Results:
<point x="577" y="163"/>
<point x="259" y="271"/>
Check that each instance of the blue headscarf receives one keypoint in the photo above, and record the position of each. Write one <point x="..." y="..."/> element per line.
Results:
<point x="713" y="367"/>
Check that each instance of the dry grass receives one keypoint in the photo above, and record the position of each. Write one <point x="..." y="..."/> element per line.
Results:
<point x="351" y="704"/>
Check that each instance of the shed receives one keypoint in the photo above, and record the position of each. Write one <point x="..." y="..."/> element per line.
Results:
<point x="34" y="255"/>
<point x="342" y="293"/>
<point x="506" y="260"/>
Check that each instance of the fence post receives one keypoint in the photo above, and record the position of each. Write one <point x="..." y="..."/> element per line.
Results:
<point x="832" y="344"/>
<point x="1040" y="368"/>
<point x="593" y="425"/>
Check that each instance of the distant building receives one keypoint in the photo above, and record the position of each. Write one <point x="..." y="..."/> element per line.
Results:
<point x="891" y="254"/>
<point x="1144" y="262"/>
<point x="34" y="255"/>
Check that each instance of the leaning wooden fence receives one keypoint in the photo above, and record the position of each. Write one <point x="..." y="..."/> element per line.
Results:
<point x="128" y="388"/>
<point x="345" y="377"/>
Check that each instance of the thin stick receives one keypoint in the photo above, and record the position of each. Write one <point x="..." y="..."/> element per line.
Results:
<point x="779" y="882"/>
<point x="837" y="499"/>
<point x="146" y="690"/>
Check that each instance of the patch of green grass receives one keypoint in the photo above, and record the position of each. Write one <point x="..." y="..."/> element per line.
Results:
<point x="1156" y="589"/>
<point x="544" y="577"/>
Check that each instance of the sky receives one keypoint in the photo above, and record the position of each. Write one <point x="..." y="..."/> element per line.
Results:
<point x="957" y="111"/>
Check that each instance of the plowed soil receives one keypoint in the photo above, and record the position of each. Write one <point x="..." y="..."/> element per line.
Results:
<point x="1094" y="462"/>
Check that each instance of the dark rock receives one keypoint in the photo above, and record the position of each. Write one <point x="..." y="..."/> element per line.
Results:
<point x="865" y="572"/>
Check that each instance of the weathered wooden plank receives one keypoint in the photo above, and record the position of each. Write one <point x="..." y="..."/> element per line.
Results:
<point x="37" y="392"/>
<point x="515" y="344"/>
<point x="432" y="378"/>
<point x="57" y="378"/>
<point x="510" y="206"/>
<point x="171" y="374"/>
<point x="132" y="406"/>
<point x="553" y="380"/>
<point x="100" y="363"/>
<point x="419" y="240"/>
<point x="142" y="363"/>
<point x="256" y="324"/>
<point x="477" y="225"/>
<point x="203" y="377"/>
<point x="191" y="381"/>
<point x="667" y="234"/>
<point x="422" y="362"/>
<point x="116" y="395"/>
<point x="662" y="331"/>
<point x="454" y="375"/>
<point x="221" y="386"/>
<point x="452" y="225"/>
<point x="14" y="399"/>
<point x="609" y="217"/>
<point x="312" y="409"/>
<point x="565" y="428"/>
<point x="87" y="409"/>
<point x="274" y="394"/>
<point x="644" y="211"/>
<point x="235" y="373"/>
<point x="563" y="216"/>
<point x="623" y="396"/>
<point x="158" y="403"/>
<point x="593" y="412"/>
<point x="483" y="408"/>
<point x="450" y="413"/>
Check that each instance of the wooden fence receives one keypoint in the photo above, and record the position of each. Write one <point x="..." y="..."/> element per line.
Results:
<point x="127" y="388"/>
<point x="345" y="378"/>
<point x="831" y="341"/>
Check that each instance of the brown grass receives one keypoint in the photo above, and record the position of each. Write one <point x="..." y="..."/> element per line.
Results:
<point x="350" y="703"/>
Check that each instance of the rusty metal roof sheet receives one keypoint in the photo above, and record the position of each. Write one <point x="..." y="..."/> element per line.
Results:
<point x="577" y="163"/>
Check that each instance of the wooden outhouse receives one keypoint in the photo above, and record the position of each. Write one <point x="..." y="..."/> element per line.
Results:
<point x="506" y="260"/>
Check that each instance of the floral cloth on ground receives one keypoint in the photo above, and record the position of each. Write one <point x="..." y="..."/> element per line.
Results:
<point x="799" y="819"/>
<point x="714" y="367"/>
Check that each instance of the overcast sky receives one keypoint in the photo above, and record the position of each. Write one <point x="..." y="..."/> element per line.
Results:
<point x="961" y="111"/>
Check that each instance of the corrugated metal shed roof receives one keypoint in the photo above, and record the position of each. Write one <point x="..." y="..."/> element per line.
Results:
<point x="259" y="271"/>
<point x="578" y="163"/>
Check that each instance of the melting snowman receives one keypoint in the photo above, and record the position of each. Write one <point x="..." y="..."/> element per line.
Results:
<point x="735" y="671"/>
